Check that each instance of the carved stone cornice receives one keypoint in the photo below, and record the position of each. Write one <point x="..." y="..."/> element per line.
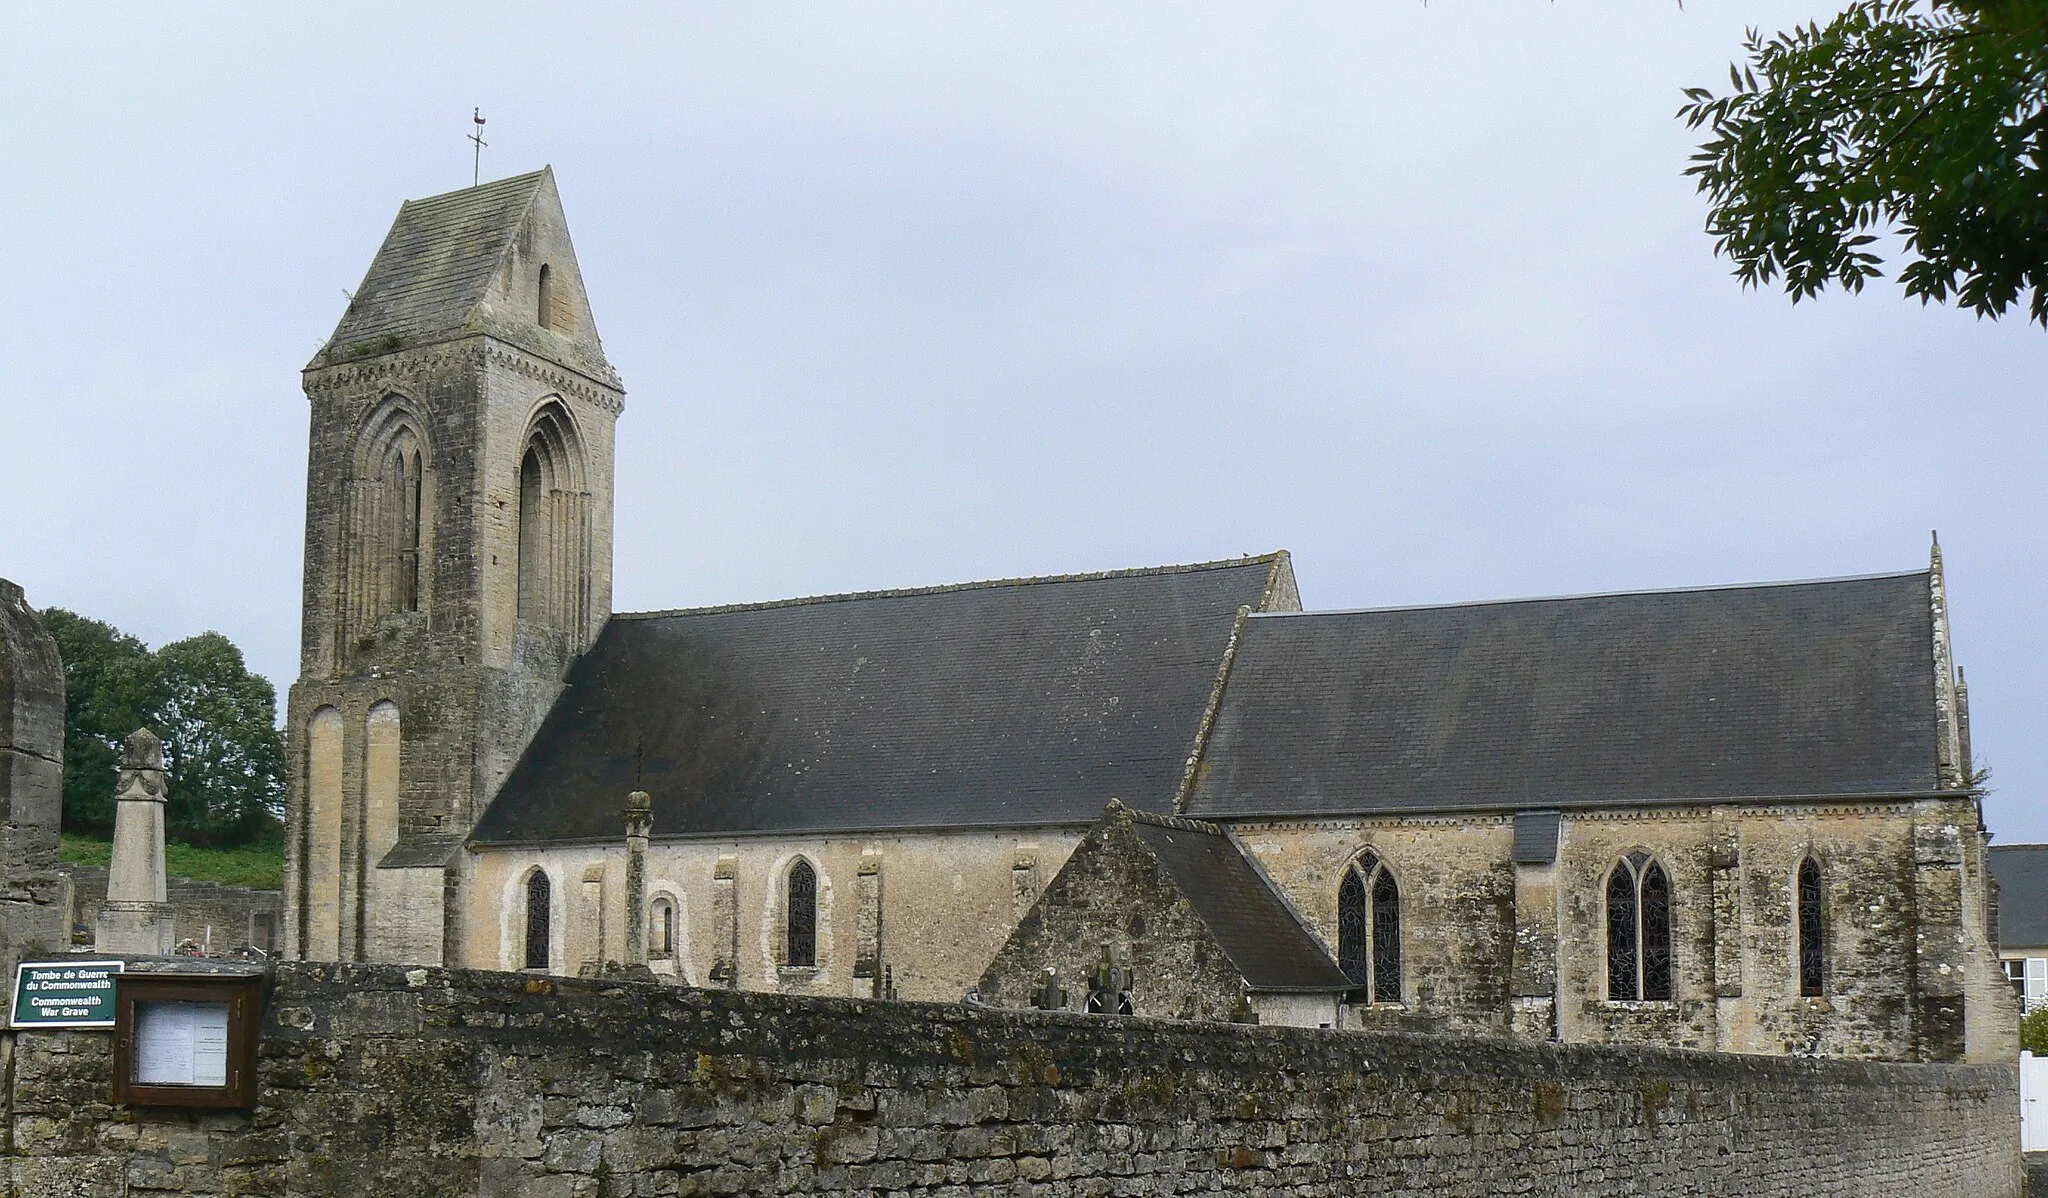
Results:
<point x="472" y="350"/>
<point x="439" y="356"/>
<point x="554" y="376"/>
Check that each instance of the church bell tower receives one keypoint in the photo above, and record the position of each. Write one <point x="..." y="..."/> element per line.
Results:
<point x="458" y="558"/>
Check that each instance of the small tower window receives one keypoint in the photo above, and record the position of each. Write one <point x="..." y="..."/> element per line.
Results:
<point x="1812" y="949"/>
<point x="547" y="299"/>
<point x="1638" y="930"/>
<point x="539" y="901"/>
<point x="1369" y="928"/>
<point x="803" y="915"/>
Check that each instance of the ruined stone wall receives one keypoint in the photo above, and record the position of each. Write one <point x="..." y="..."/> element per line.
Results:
<point x="236" y="915"/>
<point x="932" y="908"/>
<point x="380" y="1081"/>
<point x="31" y="781"/>
<point x="1910" y="966"/>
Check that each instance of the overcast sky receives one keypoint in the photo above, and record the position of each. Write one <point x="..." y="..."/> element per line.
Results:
<point x="908" y="295"/>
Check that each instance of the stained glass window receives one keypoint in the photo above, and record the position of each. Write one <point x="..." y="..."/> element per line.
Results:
<point x="1354" y="929"/>
<point x="1386" y="938"/>
<point x="803" y="914"/>
<point x="538" y="904"/>
<point x="1656" y="907"/>
<point x="1369" y="928"/>
<point x="1812" y="950"/>
<point x="1624" y="979"/>
<point x="1638" y="930"/>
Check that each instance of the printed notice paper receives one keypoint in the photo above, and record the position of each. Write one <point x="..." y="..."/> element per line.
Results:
<point x="181" y="1044"/>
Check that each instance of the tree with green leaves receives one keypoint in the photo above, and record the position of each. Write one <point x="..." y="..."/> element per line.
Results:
<point x="218" y="721"/>
<point x="111" y="688"/>
<point x="1924" y="119"/>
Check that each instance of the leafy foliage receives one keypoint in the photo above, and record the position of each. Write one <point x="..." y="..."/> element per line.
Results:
<point x="222" y="749"/>
<point x="111" y="688"/>
<point x="1927" y="118"/>
<point x="2034" y="1032"/>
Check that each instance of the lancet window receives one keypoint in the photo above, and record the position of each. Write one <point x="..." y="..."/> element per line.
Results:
<point x="661" y="928"/>
<point x="1369" y="928"/>
<point x="387" y="525"/>
<point x="554" y="525"/>
<point x="539" y="905"/>
<point x="1638" y="930"/>
<point x="802" y="910"/>
<point x="1812" y="946"/>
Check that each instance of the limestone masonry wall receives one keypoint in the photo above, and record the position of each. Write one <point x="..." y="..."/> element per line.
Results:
<point x="236" y="915"/>
<point x="378" y="1080"/>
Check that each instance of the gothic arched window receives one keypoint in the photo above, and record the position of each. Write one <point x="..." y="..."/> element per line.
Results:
<point x="402" y="481"/>
<point x="1369" y="928"/>
<point x="539" y="905"/>
<point x="1812" y="948"/>
<point x="532" y="536"/>
<point x="802" y="907"/>
<point x="386" y="526"/>
<point x="554" y="520"/>
<point x="1638" y="930"/>
<point x="544" y="313"/>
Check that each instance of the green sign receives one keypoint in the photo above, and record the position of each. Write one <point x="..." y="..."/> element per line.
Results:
<point x="65" y="993"/>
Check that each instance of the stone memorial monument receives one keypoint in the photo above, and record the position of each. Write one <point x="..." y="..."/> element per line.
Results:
<point x="136" y="920"/>
<point x="34" y="898"/>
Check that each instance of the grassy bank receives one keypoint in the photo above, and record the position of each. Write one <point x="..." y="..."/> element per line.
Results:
<point x="259" y="867"/>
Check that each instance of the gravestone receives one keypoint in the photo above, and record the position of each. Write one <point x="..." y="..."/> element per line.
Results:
<point x="34" y="900"/>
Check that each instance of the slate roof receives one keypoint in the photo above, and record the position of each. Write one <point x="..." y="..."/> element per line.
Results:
<point x="1005" y="704"/>
<point x="2022" y="873"/>
<point x="431" y="272"/>
<point x="1261" y="934"/>
<point x="1795" y="689"/>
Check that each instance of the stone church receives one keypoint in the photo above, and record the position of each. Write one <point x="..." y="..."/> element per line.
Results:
<point x="1737" y="818"/>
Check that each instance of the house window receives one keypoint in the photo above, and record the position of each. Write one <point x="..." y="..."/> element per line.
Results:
<point x="803" y="915"/>
<point x="1638" y="930"/>
<point x="539" y="901"/>
<point x="1812" y="948"/>
<point x="661" y="928"/>
<point x="1369" y="928"/>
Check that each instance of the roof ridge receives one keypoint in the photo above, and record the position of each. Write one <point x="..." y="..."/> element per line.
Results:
<point x="495" y="184"/>
<point x="1181" y="822"/>
<point x="951" y="587"/>
<point x="1628" y="594"/>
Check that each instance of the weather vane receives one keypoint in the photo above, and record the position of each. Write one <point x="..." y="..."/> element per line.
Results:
<point x="476" y="116"/>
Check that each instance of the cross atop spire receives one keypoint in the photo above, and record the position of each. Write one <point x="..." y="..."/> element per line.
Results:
<point x="476" y="136"/>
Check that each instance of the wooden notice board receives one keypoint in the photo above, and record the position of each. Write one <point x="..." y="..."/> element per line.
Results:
<point x="186" y="1040"/>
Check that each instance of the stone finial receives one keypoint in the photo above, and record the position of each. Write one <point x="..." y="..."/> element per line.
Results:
<point x="142" y="768"/>
<point x="639" y="814"/>
<point x="145" y="751"/>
